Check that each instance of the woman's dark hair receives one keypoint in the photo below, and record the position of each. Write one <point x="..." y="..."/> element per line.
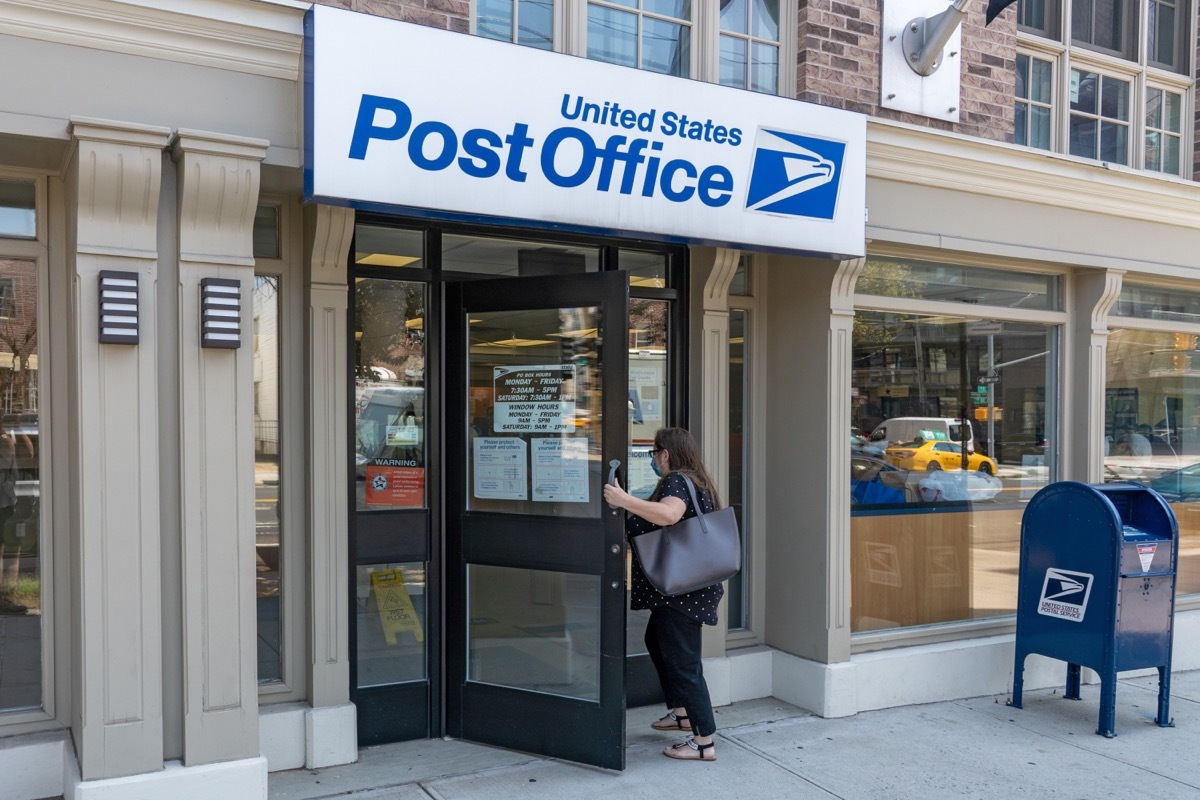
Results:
<point x="684" y="457"/>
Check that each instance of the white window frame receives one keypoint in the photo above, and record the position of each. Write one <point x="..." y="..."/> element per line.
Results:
<point x="1138" y="71"/>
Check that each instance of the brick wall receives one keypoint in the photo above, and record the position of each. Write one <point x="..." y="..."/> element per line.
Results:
<point x="453" y="15"/>
<point x="838" y="64"/>
<point x="1196" y="130"/>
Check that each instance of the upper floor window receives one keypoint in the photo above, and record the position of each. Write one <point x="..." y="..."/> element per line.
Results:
<point x="736" y="43"/>
<point x="527" y="22"/>
<point x="1106" y="79"/>
<point x="750" y="44"/>
<point x="654" y="35"/>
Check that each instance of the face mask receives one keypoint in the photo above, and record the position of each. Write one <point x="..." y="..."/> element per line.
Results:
<point x="654" y="466"/>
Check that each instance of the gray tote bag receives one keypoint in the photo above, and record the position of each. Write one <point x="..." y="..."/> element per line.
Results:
<point x="692" y="553"/>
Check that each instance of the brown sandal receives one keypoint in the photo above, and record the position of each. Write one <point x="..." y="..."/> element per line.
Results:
<point x="672" y="722"/>
<point x="691" y="751"/>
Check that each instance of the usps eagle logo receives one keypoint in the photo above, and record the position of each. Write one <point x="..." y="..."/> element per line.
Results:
<point x="795" y="175"/>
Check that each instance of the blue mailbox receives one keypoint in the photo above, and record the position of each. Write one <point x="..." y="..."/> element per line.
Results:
<point x="1097" y="587"/>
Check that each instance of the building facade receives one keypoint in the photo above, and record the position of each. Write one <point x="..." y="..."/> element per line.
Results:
<point x="305" y="398"/>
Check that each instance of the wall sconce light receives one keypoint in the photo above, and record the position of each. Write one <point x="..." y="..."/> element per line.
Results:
<point x="118" y="307"/>
<point x="220" y="313"/>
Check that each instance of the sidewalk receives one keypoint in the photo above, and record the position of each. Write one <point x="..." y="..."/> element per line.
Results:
<point x="977" y="748"/>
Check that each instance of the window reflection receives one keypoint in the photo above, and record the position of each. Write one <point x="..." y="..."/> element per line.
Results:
<point x="950" y="415"/>
<point x="1152" y="428"/>
<point x="391" y="623"/>
<point x="268" y="545"/>
<point x="20" y="492"/>
<point x="389" y="394"/>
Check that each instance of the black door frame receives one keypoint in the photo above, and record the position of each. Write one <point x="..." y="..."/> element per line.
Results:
<point x="378" y="721"/>
<point x="518" y="719"/>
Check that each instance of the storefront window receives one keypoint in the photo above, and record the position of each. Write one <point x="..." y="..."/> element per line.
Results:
<point x="21" y="571"/>
<point x="389" y="394"/>
<point x="1152" y="423"/>
<point x="267" y="541"/>
<point x="952" y="432"/>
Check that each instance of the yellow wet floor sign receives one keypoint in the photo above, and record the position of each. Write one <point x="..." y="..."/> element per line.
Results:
<point x="396" y="611"/>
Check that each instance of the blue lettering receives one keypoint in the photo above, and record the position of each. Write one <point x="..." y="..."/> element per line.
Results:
<point x="715" y="187"/>
<point x="365" y="128"/>
<point x="668" y="176"/>
<point x="735" y="136"/>
<point x="416" y="146"/>
<point x="517" y="141"/>
<point x="480" y="161"/>
<point x="586" y="164"/>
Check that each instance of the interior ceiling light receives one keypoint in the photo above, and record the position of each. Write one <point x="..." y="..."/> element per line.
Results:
<point x="384" y="260"/>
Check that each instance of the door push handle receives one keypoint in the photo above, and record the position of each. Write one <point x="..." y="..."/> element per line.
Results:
<point x="612" y="478"/>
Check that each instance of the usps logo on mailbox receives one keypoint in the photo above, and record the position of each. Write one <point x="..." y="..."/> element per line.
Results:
<point x="1065" y="594"/>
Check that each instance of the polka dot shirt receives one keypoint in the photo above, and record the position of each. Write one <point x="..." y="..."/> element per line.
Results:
<point x="700" y="605"/>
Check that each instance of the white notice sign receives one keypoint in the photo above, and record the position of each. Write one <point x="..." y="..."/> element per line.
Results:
<point x="560" y="470"/>
<point x="500" y="468"/>
<point x="535" y="399"/>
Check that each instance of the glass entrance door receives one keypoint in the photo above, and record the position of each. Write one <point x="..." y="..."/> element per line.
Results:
<point x="537" y="391"/>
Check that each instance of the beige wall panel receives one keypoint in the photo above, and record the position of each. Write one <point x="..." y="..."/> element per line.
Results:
<point x="74" y="81"/>
<point x="806" y="526"/>
<point x="960" y="220"/>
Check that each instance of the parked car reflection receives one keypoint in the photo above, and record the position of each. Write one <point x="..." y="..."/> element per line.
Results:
<point x="934" y="455"/>
<point x="1178" y="486"/>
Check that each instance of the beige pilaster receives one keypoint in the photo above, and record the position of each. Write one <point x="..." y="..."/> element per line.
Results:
<point x="810" y="320"/>
<point x="331" y="729"/>
<point x="712" y="269"/>
<point x="218" y="194"/>
<point x="1083" y="447"/>
<point x="112" y="183"/>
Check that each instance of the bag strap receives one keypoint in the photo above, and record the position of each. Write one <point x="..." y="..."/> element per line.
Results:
<point x="695" y="501"/>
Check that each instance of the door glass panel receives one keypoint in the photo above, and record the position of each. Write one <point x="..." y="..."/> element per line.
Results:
<point x="648" y="386"/>
<point x="267" y="544"/>
<point x="534" y="630"/>
<point x="391" y="614"/>
<point x="514" y="258"/>
<point x="389" y="394"/>
<point x="20" y="533"/>
<point x="646" y="270"/>
<point x="535" y="399"/>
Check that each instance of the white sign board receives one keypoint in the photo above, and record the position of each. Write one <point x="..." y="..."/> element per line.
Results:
<point x="534" y="399"/>
<point x="500" y="468"/>
<point x="429" y="122"/>
<point x="560" y="470"/>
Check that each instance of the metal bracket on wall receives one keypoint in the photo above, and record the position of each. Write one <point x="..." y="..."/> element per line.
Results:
<point x="921" y="63"/>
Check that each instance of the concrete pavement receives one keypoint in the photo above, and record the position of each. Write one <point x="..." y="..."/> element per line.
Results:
<point x="976" y="748"/>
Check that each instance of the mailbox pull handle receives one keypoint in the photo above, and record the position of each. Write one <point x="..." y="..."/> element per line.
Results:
<point x="1146" y="574"/>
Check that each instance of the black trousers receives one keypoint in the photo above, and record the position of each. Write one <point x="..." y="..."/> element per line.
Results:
<point x="673" y="641"/>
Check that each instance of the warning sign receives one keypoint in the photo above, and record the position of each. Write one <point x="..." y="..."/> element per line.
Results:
<point x="534" y="399"/>
<point x="396" y="612"/>
<point x="388" y="485"/>
<point x="1065" y="594"/>
<point x="1146" y="555"/>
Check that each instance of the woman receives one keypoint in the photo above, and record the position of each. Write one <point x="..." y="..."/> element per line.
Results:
<point x="673" y="635"/>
